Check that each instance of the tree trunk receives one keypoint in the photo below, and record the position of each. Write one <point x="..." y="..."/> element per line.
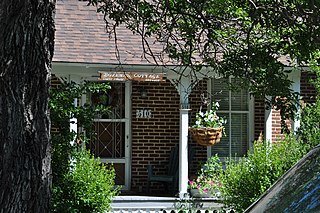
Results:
<point x="26" y="50"/>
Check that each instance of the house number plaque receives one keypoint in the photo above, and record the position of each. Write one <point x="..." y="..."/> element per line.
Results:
<point x="143" y="113"/>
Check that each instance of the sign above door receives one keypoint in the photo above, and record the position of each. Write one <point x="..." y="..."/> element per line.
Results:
<point x="130" y="76"/>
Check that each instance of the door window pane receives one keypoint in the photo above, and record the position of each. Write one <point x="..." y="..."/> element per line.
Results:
<point x="114" y="99"/>
<point x="109" y="141"/>
<point x="120" y="173"/>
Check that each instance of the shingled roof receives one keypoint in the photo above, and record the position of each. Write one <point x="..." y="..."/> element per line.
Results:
<point x="81" y="37"/>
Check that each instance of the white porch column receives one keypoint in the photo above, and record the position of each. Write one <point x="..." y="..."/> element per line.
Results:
<point x="183" y="84"/>
<point x="268" y="124"/>
<point x="74" y="122"/>
<point x="295" y="77"/>
<point x="184" y="89"/>
<point x="183" y="153"/>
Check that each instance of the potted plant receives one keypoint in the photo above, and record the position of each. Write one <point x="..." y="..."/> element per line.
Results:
<point x="203" y="187"/>
<point x="207" y="184"/>
<point x="209" y="127"/>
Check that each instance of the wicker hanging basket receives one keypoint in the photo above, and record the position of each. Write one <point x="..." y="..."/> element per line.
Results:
<point x="206" y="136"/>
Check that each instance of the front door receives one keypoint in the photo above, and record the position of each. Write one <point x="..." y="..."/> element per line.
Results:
<point x="113" y="137"/>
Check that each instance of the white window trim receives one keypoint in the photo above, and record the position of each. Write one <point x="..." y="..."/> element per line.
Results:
<point x="250" y="113"/>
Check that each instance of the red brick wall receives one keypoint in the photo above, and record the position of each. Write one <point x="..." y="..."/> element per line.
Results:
<point x="259" y="111"/>
<point x="308" y="95"/>
<point x="308" y="92"/>
<point x="276" y="126"/>
<point x="55" y="82"/>
<point x="153" y="138"/>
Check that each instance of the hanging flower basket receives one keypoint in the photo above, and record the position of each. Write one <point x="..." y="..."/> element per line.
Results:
<point x="206" y="136"/>
<point x="208" y="127"/>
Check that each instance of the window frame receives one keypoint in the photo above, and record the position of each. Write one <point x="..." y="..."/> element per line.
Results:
<point x="249" y="112"/>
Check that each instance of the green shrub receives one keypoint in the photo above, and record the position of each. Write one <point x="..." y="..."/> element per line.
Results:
<point x="310" y="125"/>
<point x="82" y="184"/>
<point x="88" y="187"/>
<point x="245" y="180"/>
<point x="310" y="116"/>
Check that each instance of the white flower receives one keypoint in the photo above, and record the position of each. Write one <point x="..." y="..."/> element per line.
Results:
<point x="201" y="114"/>
<point x="209" y="118"/>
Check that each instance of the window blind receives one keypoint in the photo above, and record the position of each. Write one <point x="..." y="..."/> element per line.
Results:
<point x="234" y="107"/>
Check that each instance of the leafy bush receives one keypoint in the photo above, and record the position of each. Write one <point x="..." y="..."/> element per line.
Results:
<point x="62" y="110"/>
<point x="310" y="116"/>
<point x="310" y="125"/>
<point x="88" y="187"/>
<point x="80" y="183"/>
<point x="245" y="180"/>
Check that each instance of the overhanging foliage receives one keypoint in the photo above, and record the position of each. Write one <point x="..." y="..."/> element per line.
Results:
<point x="249" y="40"/>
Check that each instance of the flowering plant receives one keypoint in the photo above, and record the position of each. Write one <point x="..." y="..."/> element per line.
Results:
<point x="204" y="184"/>
<point x="209" y="118"/>
<point x="207" y="180"/>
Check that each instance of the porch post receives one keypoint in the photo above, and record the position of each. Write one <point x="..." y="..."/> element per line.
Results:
<point x="184" y="89"/>
<point x="184" y="86"/>
<point x="268" y="124"/>
<point x="73" y="123"/>
<point x="296" y="77"/>
<point x="183" y="153"/>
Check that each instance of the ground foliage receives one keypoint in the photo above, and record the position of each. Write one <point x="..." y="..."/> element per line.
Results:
<point x="80" y="182"/>
<point x="62" y="110"/>
<point x="243" y="181"/>
<point x="310" y="116"/>
<point x="244" y="39"/>
<point x="87" y="187"/>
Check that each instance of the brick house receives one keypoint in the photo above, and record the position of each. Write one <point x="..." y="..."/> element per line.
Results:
<point x="145" y="122"/>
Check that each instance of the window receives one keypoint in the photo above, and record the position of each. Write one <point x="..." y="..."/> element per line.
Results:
<point x="235" y="107"/>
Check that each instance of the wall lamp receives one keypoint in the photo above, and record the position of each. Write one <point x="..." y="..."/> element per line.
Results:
<point x="143" y="92"/>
